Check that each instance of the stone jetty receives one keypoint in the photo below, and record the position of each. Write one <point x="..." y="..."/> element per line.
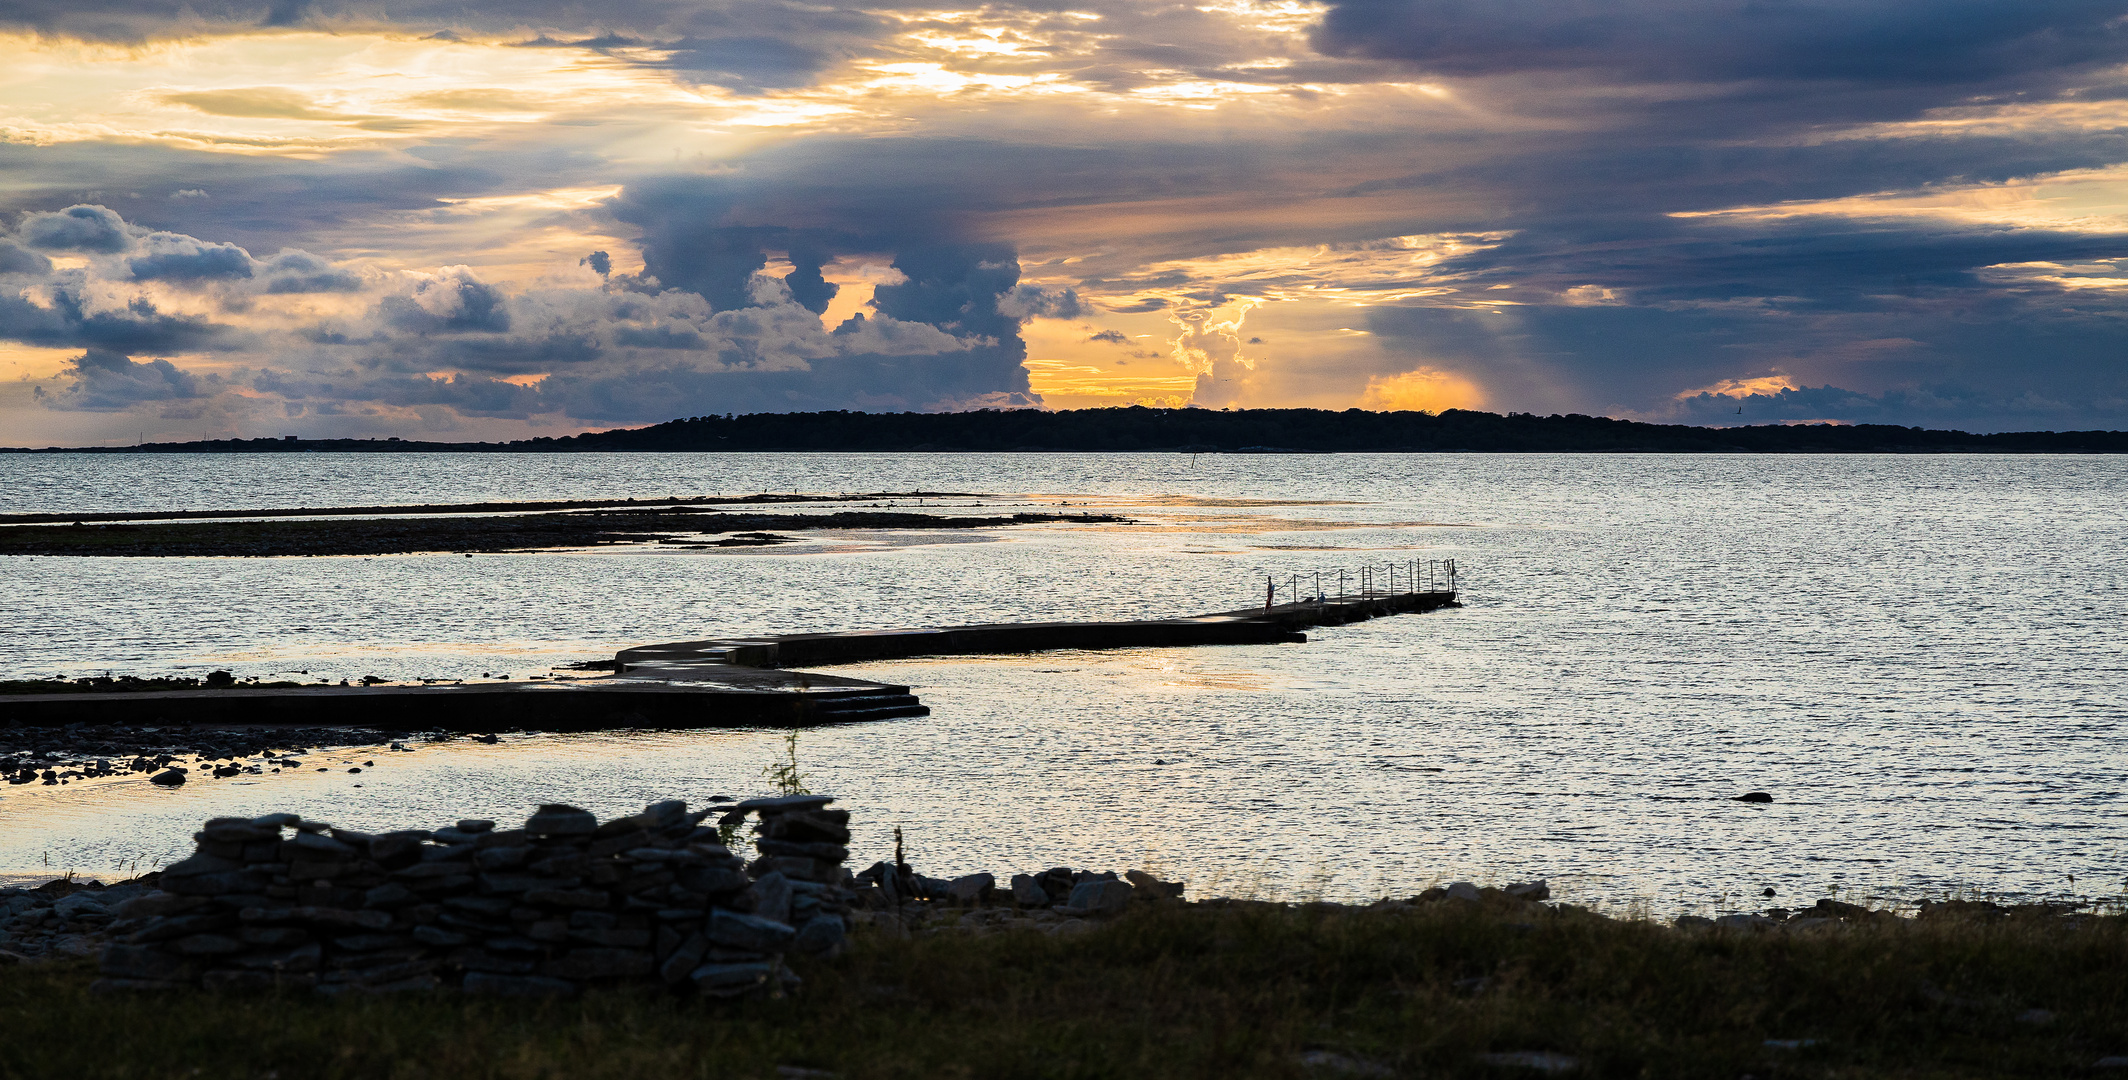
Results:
<point x="721" y="682"/>
<point x="562" y="902"/>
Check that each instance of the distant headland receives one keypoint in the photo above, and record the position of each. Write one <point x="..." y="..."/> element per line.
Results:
<point x="1199" y="431"/>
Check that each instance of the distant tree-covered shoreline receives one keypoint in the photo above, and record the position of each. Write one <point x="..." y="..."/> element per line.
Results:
<point x="1202" y="431"/>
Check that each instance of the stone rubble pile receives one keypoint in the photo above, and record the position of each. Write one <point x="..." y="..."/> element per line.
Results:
<point x="59" y="919"/>
<point x="565" y="902"/>
<point x="1056" y="900"/>
<point x="1831" y="913"/>
<point x="1063" y="900"/>
<point x="281" y="903"/>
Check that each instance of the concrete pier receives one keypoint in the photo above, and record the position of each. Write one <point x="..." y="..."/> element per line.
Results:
<point x="725" y="682"/>
<point x="1255" y="626"/>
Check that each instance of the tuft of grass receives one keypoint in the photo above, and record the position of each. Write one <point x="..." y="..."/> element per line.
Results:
<point x="1214" y="990"/>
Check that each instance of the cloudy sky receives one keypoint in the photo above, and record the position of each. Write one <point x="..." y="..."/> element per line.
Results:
<point x="480" y="219"/>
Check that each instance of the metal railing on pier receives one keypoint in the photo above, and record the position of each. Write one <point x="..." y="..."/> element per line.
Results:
<point x="1371" y="581"/>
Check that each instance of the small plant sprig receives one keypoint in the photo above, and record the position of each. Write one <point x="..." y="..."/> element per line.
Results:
<point x="784" y="774"/>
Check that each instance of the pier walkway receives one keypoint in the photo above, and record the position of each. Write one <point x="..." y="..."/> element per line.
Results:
<point x="726" y="682"/>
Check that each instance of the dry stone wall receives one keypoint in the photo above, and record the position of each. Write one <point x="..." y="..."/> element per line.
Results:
<point x="566" y="901"/>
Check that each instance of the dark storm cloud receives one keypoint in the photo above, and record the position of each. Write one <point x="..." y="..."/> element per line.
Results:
<point x="625" y="350"/>
<point x="1676" y="107"/>
<point x="811" y="291"/>
<point x="953" y="287"/>
<point x="454" y="302"/>
<point x="1858" y="41"/>
<point x="701" y="256"/>
<point x="295" y="271"/>
<point x="173" y="257"/>
<point x="1934" y="405"/>
<point x="881" y="383"/>
<point x="16" y="259"/>
<point x="76" y="228"/>
<point x="747" y="63"/>
<point x="710" y="235"/>
<point x="1824" y="262"/>
<point x="468" y="395"/>
<point x="1902" y="314"/>
<point x="105" y="380"/>
<point x="699" y="235"/>
<point x="1028" y="301"/>
<point x="70" y="314"/>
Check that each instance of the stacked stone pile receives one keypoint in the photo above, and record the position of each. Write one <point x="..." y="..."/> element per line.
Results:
<point x="278" y="902"/>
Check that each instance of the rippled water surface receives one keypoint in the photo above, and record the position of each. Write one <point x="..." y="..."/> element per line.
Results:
<point x="1919" y="657"/>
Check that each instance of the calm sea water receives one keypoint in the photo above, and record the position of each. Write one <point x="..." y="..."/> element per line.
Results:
<point x="1919" y="657"/>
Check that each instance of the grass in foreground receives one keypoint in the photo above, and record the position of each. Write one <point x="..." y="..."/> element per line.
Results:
<point x="1244" y="991"/>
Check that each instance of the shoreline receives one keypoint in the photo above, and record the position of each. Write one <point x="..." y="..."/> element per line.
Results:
<point x="1455" y="981"/>
<point x="894" y="899"/>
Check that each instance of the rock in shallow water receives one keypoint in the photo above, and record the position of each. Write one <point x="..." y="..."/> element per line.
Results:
<point x="969" y="889"/>
<point x="1100" y="896"/>
<point x="1530" y="890"/>
<point x="1152" y="887"/>
<point x="1027" y="892"/>
<point x="556" y="819"/>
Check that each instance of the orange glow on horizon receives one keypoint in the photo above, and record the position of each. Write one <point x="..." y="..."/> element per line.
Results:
<point x="1422" y="389"/>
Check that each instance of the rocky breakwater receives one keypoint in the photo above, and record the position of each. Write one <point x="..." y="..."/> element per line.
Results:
<point x="282" y="903"/>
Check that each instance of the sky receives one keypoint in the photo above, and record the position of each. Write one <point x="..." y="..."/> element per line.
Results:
<point x="479" y="220"/>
